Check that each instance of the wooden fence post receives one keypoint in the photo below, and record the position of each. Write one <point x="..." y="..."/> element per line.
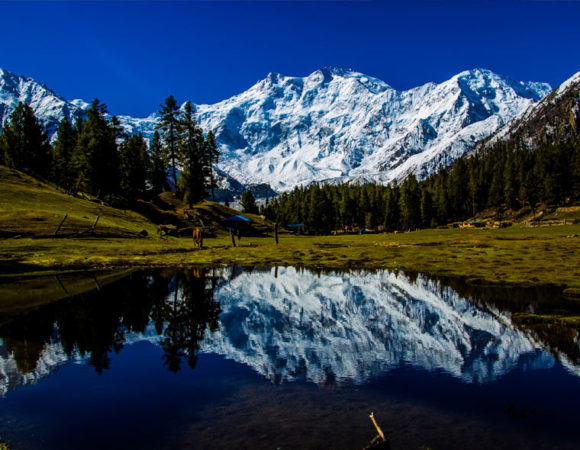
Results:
<point x="60" y="224"/>
<point x="95" y="224"/>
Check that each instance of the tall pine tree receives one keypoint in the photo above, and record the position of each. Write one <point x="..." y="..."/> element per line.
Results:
<point x="169" y="127"/>
<point x="96" y="158"/>
<point x="192" y="182"/>
<point x="134" y="167"/>
<point x="158" y="165"/>
<point x="212" y="155"/>
<point x="62" y="171"/>
<point x="24" y="144"/>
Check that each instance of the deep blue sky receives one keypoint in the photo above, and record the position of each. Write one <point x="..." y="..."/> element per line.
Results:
<point x="132" y="54"/>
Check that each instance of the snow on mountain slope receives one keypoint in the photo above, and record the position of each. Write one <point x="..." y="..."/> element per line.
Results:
<point x="299" y="325"/>
<point x="333" y="125"/>
<point x="49" y="107"/>
<point x="340" y="124"/>
<point x="556" y="118"/>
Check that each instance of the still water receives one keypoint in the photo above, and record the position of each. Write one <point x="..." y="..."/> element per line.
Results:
<point x="282" y="358"/>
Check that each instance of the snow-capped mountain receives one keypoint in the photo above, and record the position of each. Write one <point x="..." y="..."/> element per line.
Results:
<point x="554" y="119"/>
<point x="332" y="125"/>
<point x="49" y="107"/>
<point x="340" y="124"/>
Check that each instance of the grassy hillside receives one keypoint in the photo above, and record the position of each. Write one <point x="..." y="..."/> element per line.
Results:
<point x="29" y="207"/>
<point x="168" y="209"/>
<point x="32" y="208"/>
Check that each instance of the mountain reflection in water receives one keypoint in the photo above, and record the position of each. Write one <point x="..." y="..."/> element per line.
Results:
<point x="285" y="323"/>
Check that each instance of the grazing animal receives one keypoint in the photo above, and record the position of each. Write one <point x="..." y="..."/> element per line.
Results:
<point x="198" y="237"/>
<point x="165" y="230"/>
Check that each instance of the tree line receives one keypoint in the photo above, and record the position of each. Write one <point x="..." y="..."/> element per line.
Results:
<point x="504" y="178"/>
<point x="95" y="155"/>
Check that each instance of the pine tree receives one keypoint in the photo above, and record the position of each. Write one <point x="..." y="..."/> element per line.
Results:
<point x="134" y="166"/>
<point x="62" y="172"/>
<point x="458" y="183"/>
<point x="392" y="209"/>
<point x="426" y="208"/>
<point x="249" y="202"/>
<point x="24" y="144"/>
<point x="192" y="182"/>
<point x="410" y="203"/>
<point x="212" y="155"/>
<point x="158" y="166"/>
<point x="80" y="164"/>
<point x="169" y="127"/>
<point x="510" y="183"/>
<point x="95" y="159"/>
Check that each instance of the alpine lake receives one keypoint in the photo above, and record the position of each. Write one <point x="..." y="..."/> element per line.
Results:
<point x="284" y="358"/>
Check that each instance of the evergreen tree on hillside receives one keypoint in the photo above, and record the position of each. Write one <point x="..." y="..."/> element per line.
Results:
<point x="510" y="183"/>
<point x="212" y="155"/>
<point x="158" y="166"/>
<point x="62" y="171"/>
<point x="249" y="203"/>
<point x="80" y="164"/>
<point x="346" y="206"/>
<point x="192" y="182"/>
<point x="96" y="158"/>
<point x="410" y="203"/>
<point x="134" y="168"/>
<point x="24" y="144"/>
<point x="458" y="183"/>
<point x="169" y="127"/>
<point x="427" y="219"/>
<point x="392" y="209"/>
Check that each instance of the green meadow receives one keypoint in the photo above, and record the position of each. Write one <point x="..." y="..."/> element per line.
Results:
<point x="31" y="210"/>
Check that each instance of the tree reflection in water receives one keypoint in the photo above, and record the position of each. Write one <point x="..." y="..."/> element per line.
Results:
<point x="187" y="314"/>
<point x="179" y="305"/>
<point x="175" y="308"/>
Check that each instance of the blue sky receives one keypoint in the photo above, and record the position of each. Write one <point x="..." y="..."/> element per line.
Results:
<point x="132" y="54"/>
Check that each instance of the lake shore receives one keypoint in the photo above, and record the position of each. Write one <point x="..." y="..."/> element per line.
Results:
<point x="512" y="256"/>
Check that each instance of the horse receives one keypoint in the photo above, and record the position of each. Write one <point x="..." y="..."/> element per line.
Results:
<point x="198" y="237"/>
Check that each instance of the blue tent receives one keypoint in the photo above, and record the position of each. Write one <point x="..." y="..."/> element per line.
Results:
<point x="236" y="223"/>
<point x="237" y="219"/>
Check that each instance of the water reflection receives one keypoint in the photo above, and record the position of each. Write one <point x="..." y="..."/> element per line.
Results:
<point x="350" y="327"/>
<point x="286" y="324"/>
<point x="171" y="308"/>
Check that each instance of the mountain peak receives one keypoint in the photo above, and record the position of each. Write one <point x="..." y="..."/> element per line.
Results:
<point x="338" y="71"/>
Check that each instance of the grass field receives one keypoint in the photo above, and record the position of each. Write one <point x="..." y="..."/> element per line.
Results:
<point x="516" y="255"/>
<point x="30" y="211"/>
